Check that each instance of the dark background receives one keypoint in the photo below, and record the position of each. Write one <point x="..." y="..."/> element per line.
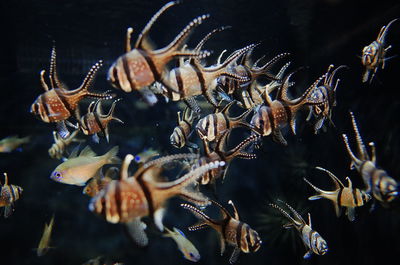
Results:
<point x="316" y="33"/>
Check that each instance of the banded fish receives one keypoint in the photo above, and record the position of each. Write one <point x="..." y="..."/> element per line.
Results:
<point x="129" y="199"/>
<point x="10" y="143"/>
<point x="57" y="103"/>
<point x="214" y="125"/>
<point x="60" y="144"/>
<point x="272" y="116"/>
<point x="100" y="181"/>
<point x="311" y="238"/>
<point x="377" y="181"/>
<point x="94" y="121"/>
<point x="9" y="194"/>
<point x="327" y="93"/>
<point x="141" y="66"/>
<point x="230" y="229"/>
<point x="77" y="170"/>
<point x="348" y="197"/>
<point x="187" y="248"/>
<point x="220" y="154"/>
<point x="180" y="135"/>
<point x="194" y="79"/>
<point x="249" y="93"/>
<point x="373" y="55"/>
<point x="44" y="242"/>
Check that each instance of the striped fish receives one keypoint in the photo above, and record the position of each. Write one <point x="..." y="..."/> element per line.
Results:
<point x="141" y="66"/>
<point x="327" y="94"/>
<point x="8" y="195"/>
<point x="212" y="126"/>
<point x="377" y="181"/>
<point x="57" y="103"/>
<point x="311" y="238"/>
<point x="180" y="135"/>
<point x="129" y="199"/>
<point x="60" y="144"/>
<point x="95" y="121"/>
<point x="348" y="197"/>
<point x="230" y="229"/>
<point x="272" y="116"/>
<point x="220" y="154"/>
<point x="373" y="55"/>
<point x="194" y="79"/>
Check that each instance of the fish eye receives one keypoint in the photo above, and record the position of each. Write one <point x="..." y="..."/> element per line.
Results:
<point x="137" y="158"/>
<point x="191" y="255"/>
<point x="57" y="175"/>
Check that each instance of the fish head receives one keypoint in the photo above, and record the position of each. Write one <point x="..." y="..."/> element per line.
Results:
<point x="58" y="175"/>
<point x="365" y="196"/>
<point x="175" y="139"/>
<point x="253" y="240"/>
<point x="192" y="255"/>
<point x="368" y="55"/>
<point x="321" y="246"/>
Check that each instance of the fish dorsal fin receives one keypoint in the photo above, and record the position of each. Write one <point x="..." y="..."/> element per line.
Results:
<point x="224" y="212"/>
<point x="350" y="183"/>
<point x="309" y="220"/>
<point x="235" y="211"/>
<point x="227" y="107"/>
<point x="5" y="179"/>
<point x="177" y="230"/>
<point x="338" y="183"/>
<point x="296" y="214"/>
<point x="74" y="152"/>
<point x="87" y="151"/>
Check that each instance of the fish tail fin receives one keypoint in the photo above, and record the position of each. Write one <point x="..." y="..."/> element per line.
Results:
<point x="112" y="157"/>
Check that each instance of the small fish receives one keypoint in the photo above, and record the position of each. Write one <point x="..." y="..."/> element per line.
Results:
<point x="77" y="170"/>
<point x="129" y="199"/>
<point x="43" y="247"/>
<point x="348" y="197"/>
<point x="57" y="104"/>
<point x="311" y="238"/>
<point x="188" y="250"/>
<point x="373" y="55"/>
<point x="230" y="230"/>
<point x="100" y="181"/>
<point x="95" y="121"/>
<point x="11" y="143"/>
<point x="377" y="181"/>
<point x="146" y="155"/>
<point x="181" y="133"/>
<point x="8" y="195"/>
<point x="212" y="126"/>
<point x="60" y="144"/>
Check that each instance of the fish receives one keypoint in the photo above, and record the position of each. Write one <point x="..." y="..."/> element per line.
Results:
<point x="9" y="194"/>
<point x="193" y="79"/>
<point x="373" y="55"/>
<point x="10" y="143"/>
<point x="43" y="247"/>
<point x="180" y="135"/>
<point x="348" y="197"/>
<point x="57" y="103"/>
<point x="220" y="154"/>
<point x="145" y="156"/>
<point x="94" y="121"/>
<point x="100" y="181"/>
<point x="230" y="229"/>
<point x="272" y="116"/>
<point x="212" y="126"/>
<point x="77" y="170"/>
<point x="141" y="66"/>
<point x="187" y="248"/>
<point x="312" y="240"/>
<point x="377" y="181"/>
<point x="129" y="199"/>
<point x="327" y="94"/>
<point x="57" y="149"/>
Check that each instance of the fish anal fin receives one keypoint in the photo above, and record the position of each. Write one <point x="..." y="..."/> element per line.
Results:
<point x="351" y="213"/>
<point x="235" y="255"/>
<point x="307" y="255"/>
<point x="200" y="225"/>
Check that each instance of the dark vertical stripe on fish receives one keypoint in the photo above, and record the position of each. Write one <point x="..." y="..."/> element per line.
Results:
<point x="239" y="235"/>
<point x="179" y="81"/>
<point x="201" y="79"/>
<point x="354" y="193"/>
<point x="128" y="72"/>
<point x="146" y="193"/>
<point x="118" y="201"/>
<point x="98" y="121"/>
<point x="151" y="64"/>
<point x="339" y="198"/>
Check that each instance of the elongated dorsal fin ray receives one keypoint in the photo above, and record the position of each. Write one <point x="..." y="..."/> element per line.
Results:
<point x="241" y="146"/>
<point x="362" y="151"/>
<point x="42" y="81"/>
<point x="349" y="151"/>
<point x="143" y="34"/>
<point x="264" y="70"/>
<point x="383" y="32"/>
<point x="199" y="214"/>
<point x="291" y="219"/>
<point x="296" y="214"/>
<point x="87" y="82"/>
<point x="338" y="183"/>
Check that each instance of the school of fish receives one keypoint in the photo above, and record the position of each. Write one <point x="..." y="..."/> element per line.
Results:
<point x="237" y="82"/>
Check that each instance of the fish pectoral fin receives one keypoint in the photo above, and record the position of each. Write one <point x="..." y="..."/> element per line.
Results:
<point x="135" y="229"/>
<point x="235" y="255"/>
<point x="351" y="213"/>
<point x="337" y="209"/>
<point x="288" y="225"/>
<point x="278" y="137"/>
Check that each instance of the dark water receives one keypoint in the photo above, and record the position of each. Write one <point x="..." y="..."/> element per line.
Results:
<point x="316" y="33"/>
